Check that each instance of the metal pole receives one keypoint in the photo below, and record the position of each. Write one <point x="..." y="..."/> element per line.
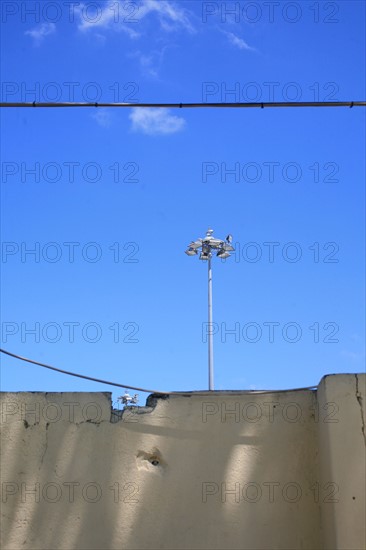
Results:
<point x="210" y="328"/>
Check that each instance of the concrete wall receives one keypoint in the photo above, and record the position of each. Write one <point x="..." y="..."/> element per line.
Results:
<point x="226" y="470"/>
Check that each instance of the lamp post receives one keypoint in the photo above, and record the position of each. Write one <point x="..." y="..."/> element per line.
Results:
<point x="206" y="246"/>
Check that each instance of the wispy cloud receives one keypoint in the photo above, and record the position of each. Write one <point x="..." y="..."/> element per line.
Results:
<point x="40" y="32"/>
<point x="353" y="355"/>
<point x="150" y="63"/>
<point x="155" y="121"/>
<point x="102" y="117"/>
<point x="237" y="41"/>
<point x="170" y="16"/>
<point x="113" y="15"/>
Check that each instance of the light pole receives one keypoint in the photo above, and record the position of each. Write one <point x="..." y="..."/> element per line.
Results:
<point x="207" y="245"/>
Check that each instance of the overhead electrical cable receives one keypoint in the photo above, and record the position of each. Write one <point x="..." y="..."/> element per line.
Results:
<point x="199" y="392"/>
<point x="237" y="105"/>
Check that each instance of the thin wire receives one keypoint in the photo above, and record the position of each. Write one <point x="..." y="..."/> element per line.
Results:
<point x="200" y="392"/>
<point x="78" y="375"/>
<point x="260" y="105"/>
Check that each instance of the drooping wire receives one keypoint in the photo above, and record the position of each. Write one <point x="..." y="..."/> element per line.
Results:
<point x="79" y="375"/>
<point x="199" y="392"/>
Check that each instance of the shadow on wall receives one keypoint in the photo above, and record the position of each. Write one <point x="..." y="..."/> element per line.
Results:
<point x="223" y="471"/>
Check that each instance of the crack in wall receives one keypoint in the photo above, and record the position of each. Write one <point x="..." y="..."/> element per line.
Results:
<point x="45" y="447"/>
<point x="360" y="402"/>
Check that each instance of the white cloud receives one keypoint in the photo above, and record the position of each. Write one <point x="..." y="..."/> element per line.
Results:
<point x="157" y="121"/>
<point x="150" y="63"/>
<point x="102" y="117"/>
<point x="105" y="16"/>
<point x="38" y="33"/>
<point x="113" y="14"/>
<point x="352" y="355"/>
<point x="147" y="64"/>
<point x="169" y="14"/>
<point x="238" y="42"/>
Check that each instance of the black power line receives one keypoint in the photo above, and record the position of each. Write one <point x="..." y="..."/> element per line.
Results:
<point x="260" y="105"/>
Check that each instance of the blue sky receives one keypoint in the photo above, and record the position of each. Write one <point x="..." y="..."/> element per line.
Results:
<point x="108" y="199"/>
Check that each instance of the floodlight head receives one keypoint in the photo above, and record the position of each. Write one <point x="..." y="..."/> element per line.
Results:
<point x="216" y="243"/>
<point x="205" y="255"/>
<point x="191" y="251"/>
<point x="195" y="244"/>
<point x="223" y="254"/>
<point x="228" y="247"/>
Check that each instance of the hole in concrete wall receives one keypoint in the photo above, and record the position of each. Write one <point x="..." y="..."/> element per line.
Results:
<point x="152" y="460"/>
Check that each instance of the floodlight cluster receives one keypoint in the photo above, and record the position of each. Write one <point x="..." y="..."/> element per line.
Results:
<point x="209" y="244"/>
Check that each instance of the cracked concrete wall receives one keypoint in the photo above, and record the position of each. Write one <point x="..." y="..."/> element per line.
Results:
<point x="342" y="458"/>
<point x="226" y="470"/>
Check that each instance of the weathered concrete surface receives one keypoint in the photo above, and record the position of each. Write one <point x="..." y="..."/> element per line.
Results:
<point x="342" y="458"/>
<point x="228" y="470"/>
